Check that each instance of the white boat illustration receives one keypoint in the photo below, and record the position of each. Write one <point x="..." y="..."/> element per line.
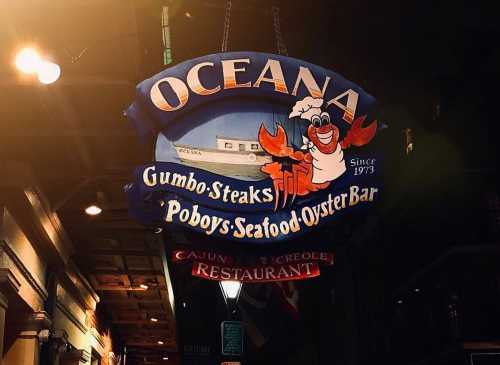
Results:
<point x="232" y="157"/>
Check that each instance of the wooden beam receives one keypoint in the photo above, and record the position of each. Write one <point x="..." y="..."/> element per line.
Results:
<point x="70" y="193"/>
<point x="89" y="227"/>
<point x="70" y="132"/>
<point x="165" y="346"/>
<point x="70" y="81"/>
<point x="481" y="345"/>
<point x="126" y="288"/>
<point x="249" y="10"/>
<point x="121" y="252"/>
<point x="133" y="300"/>
<point x="140" y="321"/>
<point x="127" y="314"/>
<point x="146" y="331"/>
<point x="60" y="106"/>
<point x="92" y="271"/>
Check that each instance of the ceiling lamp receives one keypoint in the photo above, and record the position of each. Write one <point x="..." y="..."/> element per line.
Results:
<point x="153" y="319"/>
<point x="28" y="61"/>
<point x="93" y="210"/>
<point x="160" y="342"/>
<point x="144" y="286"/>
<point x="49" y="72"/>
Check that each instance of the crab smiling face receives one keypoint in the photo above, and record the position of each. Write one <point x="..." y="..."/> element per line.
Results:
<point x="323" y="133"/>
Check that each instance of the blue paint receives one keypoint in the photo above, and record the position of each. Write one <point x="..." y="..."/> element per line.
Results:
<point x="238" y="113"/>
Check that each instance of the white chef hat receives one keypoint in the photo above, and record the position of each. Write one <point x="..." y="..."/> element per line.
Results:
<point x="307" y="107"/>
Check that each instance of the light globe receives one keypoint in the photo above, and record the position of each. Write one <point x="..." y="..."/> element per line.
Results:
<point x="48" y="72"/>
<point x="28" y="61"/>
<point x="230" y="289"/>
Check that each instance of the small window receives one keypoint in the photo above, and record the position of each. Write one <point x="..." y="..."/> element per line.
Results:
<point x="242" y="147"/>
<point x="228" y="146"/>
<point x="254" y="146"/>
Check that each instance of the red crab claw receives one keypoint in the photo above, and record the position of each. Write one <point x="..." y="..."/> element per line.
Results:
<point x="277" y="145"/>
<point x="357" y="135"/>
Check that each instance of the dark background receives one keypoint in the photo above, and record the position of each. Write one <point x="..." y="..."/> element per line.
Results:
<point x="416" y="281"/>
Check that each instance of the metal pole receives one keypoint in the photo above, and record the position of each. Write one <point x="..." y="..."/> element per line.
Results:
<point x="165" y="30"/>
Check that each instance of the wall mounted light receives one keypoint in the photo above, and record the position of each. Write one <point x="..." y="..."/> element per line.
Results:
<point x="48" y="72"/>
<point x="29" y="61"/>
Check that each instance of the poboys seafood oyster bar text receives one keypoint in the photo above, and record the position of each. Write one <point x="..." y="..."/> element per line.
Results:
<point x="268" y="227"/>
<point x="280" y="174"/>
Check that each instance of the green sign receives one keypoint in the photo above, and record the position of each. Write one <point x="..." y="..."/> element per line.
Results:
<point x="232" y="338"/>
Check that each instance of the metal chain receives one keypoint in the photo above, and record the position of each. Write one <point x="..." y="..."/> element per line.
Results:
<point x="227" y="23"/>
<point x="280" y="44"/>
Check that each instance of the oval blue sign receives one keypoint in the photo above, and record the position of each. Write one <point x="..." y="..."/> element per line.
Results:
<point x="253" y="147"/>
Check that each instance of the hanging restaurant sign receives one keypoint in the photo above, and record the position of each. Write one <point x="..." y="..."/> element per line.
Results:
<point x="253" y="147"/>
<point x="326" y="258"/>
<point x="291" y="266"/>
<point x="255" y="274"/>
<point x="204" y="256"/>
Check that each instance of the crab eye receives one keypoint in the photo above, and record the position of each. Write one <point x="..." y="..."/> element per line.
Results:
<point x="316" y="121"/>
<point x="325" y="118"/>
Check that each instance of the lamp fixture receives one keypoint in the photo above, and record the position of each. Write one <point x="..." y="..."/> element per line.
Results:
<point x="153" y="319"/>
<point x="144" y="286"/>
<point x="230" y="289"/>
<point x="93" y="210"/>
<point x="48" y="72"/>
<point x="161" y="342"/>
<point x="28" y="60"/>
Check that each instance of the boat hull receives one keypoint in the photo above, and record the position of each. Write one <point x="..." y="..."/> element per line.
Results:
<point x="228" y="163"/>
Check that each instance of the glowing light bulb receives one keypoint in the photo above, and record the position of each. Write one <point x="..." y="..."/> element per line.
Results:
<point x="28" y="61"/>
<point x="231" y="288"/>
<point x="48" y="72"/>
<point x="93" y="210"/>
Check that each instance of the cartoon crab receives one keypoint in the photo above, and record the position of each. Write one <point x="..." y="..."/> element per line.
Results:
<point x="320" y="160"/>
